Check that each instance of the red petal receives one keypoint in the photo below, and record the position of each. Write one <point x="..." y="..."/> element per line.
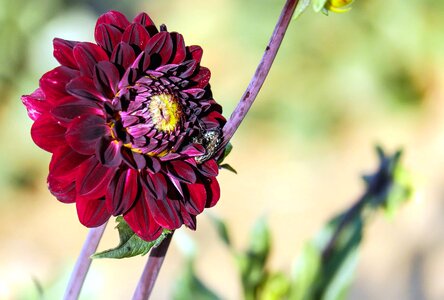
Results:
<point x="64" y="163"/>
<point x="87" y="55"/>
<point x="122" y="192"/>
<point x="63" y="52"/>
<point x="209" y="168"/>
<point x="197" y="198"/>
<point x="141" y="221"/>
<point x="92" y="212"/>
<point x="84" y="133"/>
<point x="179" y="48"/>
<point x="164" y="212"/>
<point x="195" y="53"/>
<point x="72" y="107"/>
<point x="136" y="34"/>
<point x="63" y="189"/>
<point x="182" y="171"/>
<point x="106" y="78"/>
<point x="93" y="179"/>
<point x="108" y="152"/>
<point x="156" y="184"/>
<point x="213" y="192"/>
<point x="114" y="18"/>
<point x="202" y="77"/>
<point x="36" y="104"/>
<point x="83" y="88"/>
<point x="162" y="44"/>
<point x="53" y="83"/>
<point x="123" y="55"/>
<point x="47" y="134"/>
<point x="107" y="36"/>
<point x="143" y="19"/>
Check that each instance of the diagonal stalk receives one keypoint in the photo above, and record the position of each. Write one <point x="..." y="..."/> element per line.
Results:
<point x="261" y="73"/>
<point x="83" y="262"/>
<point x="151" y="270"/>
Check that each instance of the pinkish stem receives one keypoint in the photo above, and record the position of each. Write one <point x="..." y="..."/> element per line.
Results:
<point x="81" y="267"/>
<point x="261" y="73"/>
<point x="151" y="270"/>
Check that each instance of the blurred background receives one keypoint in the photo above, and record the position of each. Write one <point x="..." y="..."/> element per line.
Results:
<point x="339" y="85"/>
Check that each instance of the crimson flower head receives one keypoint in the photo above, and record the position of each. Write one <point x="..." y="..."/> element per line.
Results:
<point x="131" y="124"/>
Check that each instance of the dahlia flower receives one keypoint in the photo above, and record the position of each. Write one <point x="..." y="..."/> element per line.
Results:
<point x="131" y="124"/>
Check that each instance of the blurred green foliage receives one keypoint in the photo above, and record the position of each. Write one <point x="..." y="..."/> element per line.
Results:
<point x="324" y="270"/>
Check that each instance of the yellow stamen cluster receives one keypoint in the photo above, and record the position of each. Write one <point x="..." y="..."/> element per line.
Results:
<point x="165" y="112"/>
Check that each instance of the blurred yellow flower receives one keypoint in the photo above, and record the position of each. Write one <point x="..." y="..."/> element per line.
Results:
<point x="338" y="6"/>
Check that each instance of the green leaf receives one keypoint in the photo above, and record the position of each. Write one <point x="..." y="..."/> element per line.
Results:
<point x="305" y="272"/>
<point x="221" y="229"/>
<point x="318" y="5"/>
<point x="228" y="167"/>
<point x="252" y="263"/>
<point x="300" y="8"/>
<point x="189" y="286"/>
<point x="276" y="286"/>
<point x="130" y="244"/>
<point x="226" y="152"/>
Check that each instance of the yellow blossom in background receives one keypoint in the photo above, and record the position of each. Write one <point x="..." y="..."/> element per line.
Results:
<point x="338" y="6"/>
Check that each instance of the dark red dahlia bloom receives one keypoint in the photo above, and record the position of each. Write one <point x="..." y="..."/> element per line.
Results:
<point x="128" y="122"/>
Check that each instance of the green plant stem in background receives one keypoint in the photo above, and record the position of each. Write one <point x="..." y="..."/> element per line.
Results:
<point x="151" y="270"/>
<point x="81" y="267"/>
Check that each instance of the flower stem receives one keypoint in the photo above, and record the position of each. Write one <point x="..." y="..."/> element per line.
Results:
<point x="81" y="267"/>
<point x="261" y="73"/>
<point x="152" y="269"/>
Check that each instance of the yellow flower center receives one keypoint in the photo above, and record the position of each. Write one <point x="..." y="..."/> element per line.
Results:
<point x="165" y="112"/>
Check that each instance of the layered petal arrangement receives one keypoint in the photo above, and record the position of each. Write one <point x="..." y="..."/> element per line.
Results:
<point x="129" y="122"/>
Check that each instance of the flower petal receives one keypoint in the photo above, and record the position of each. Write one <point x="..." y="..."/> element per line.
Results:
<point x="164" y="212"/>
<point x="93" y="179"/>
<point x="84" y="133"/>
<point x="87" y="55"/>
<point x="146" y="21"/>
<point x="182" y="171"/>
<point x="122" y="192"/>
<point x="106" y="78"/>
<point x="161" y="44"/>
<point x="156" y="184"/>
<point x="213" y="192"/>
<point x="64" y="189"/>
<point x="53" y="83"/>
<point x="202" y="77"/>
<point x="107" y="36"/>
<point x="123" y="55"/>
<point x="196" y="200"/>
<point x="92" y="212"/>
<point x="114" y="18"/>
<point x="108" y="152"/>
<point x="63" y="52"/>
<point x="141" y="221"/>
<point x="47" y="134"/>
<point x="179" y="48"/>
<point x="195" y="53"/>
<point x="72" y="107"/>
<point x="36" y="105"/>
<point x="136" y="34"/>
<point x="209" y="168"/>
<point x="65" y="162"/>
<point x="83" y="88"/>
